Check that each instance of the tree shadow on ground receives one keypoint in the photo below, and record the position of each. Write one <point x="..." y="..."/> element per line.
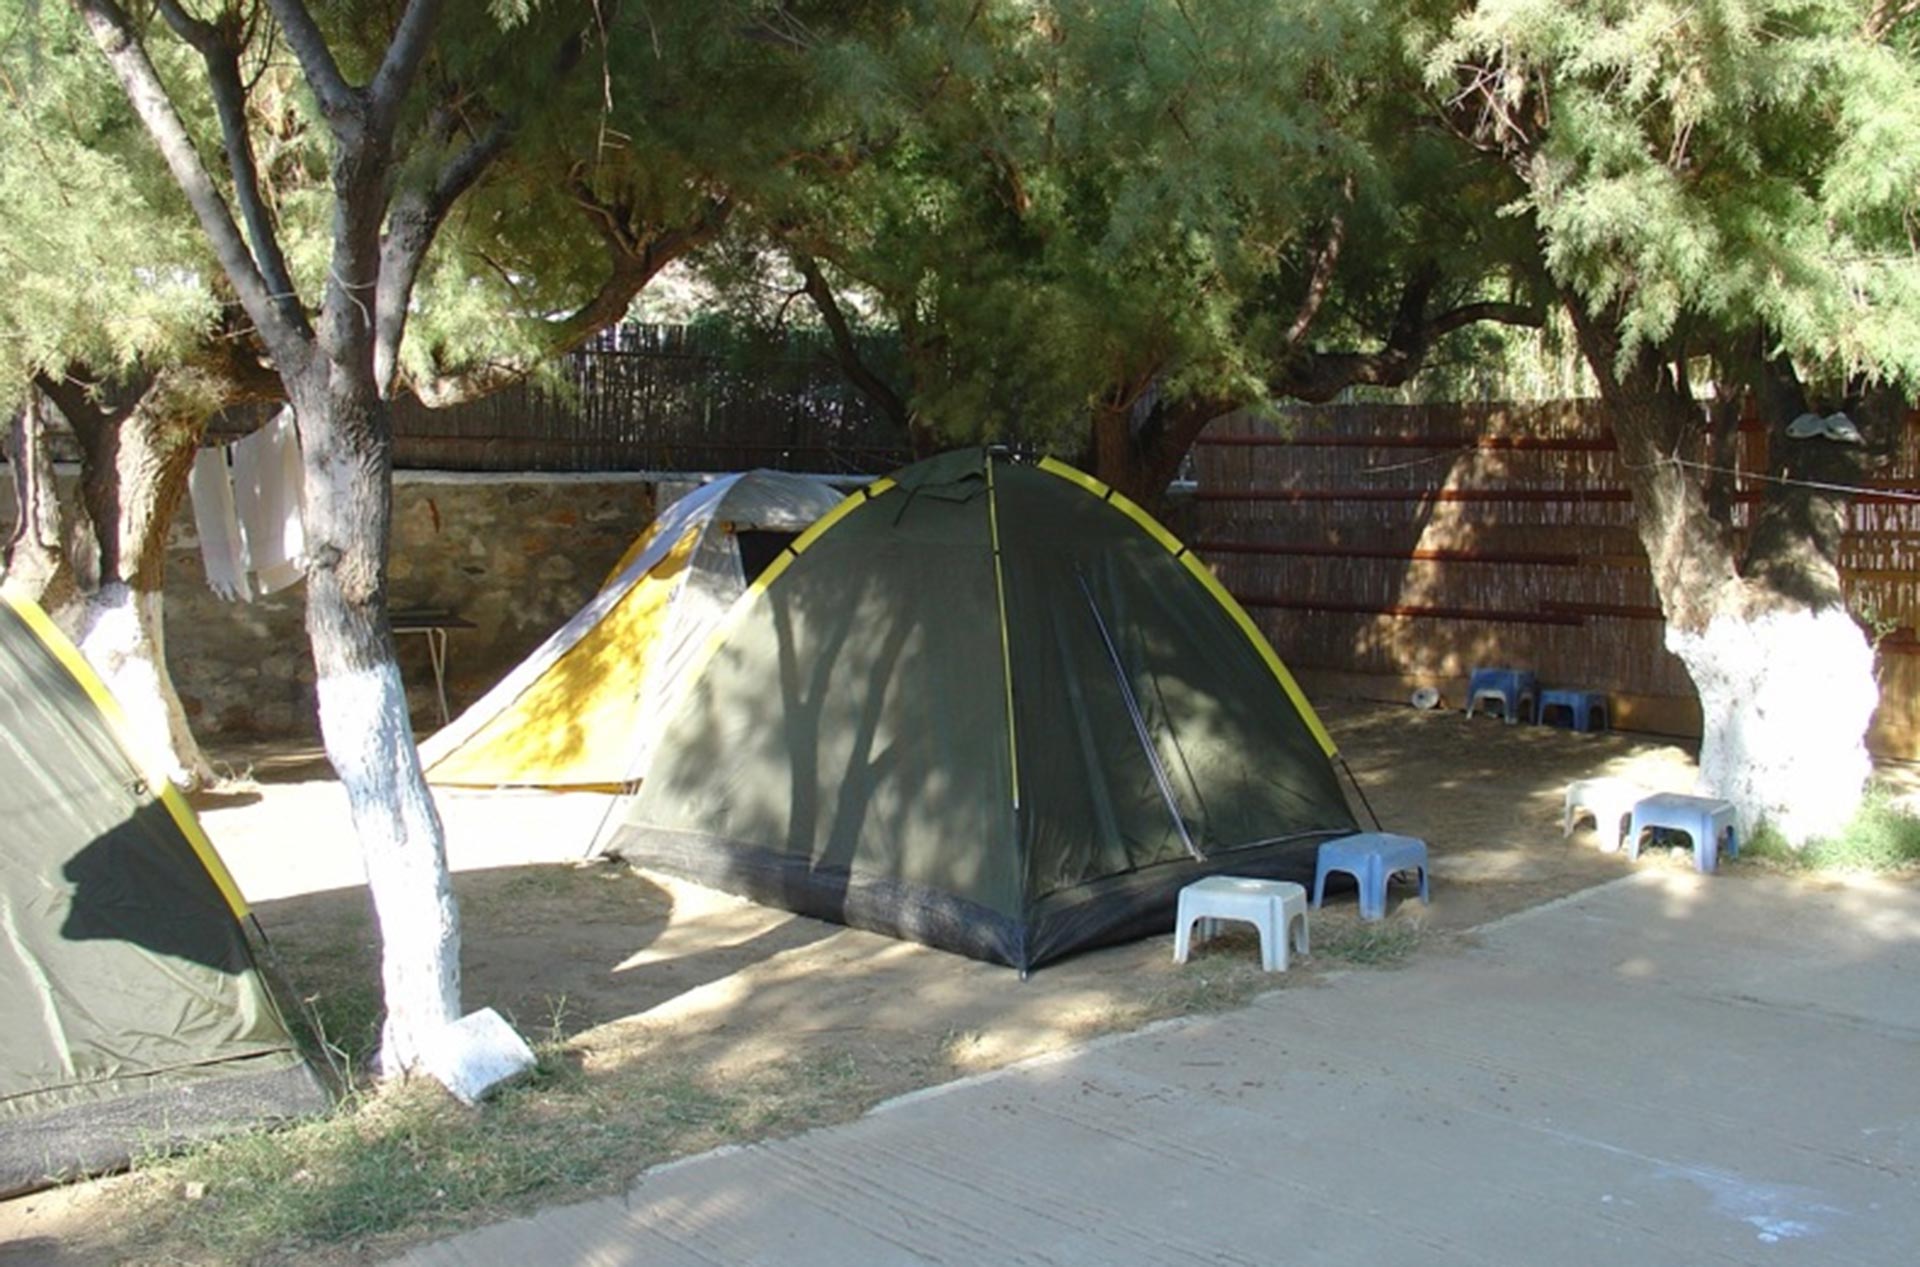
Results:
<point x="694" y="1019"/>
<point x="555" y="948"/>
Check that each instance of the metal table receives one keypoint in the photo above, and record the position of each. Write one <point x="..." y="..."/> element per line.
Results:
<point x="434" y="622"/>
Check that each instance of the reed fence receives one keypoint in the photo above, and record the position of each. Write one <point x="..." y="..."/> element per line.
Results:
<point x="655" y="398"/>
<point x="1405" y="544"/>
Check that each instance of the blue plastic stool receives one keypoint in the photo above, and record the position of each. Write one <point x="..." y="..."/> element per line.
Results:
<point x="1706" y="821"/>
<point x="1515" y="689"/>
<point x="1581" y="708"/>
<point x="1371" y="858"/>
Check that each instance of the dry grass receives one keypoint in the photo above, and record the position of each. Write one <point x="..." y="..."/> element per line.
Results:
<point x="399" y="1163"/>
<point x="670" y="1019"/>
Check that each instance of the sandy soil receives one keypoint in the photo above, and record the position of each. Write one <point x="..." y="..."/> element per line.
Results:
<point x="618" y="960"/>
<point x="578" y="947"/>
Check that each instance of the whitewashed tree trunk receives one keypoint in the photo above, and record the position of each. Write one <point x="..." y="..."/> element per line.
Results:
<point x="1784" y="675"/>
<point x="121" y="632"/>
<point x="362" y="714"/>
<point x="1785" y="700"/>
<point x="134" y="464"/>
<point x="364" y="724"/>
<point x="326" y="355"/>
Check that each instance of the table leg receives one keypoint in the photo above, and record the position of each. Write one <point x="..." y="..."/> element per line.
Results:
<point x="437" y="652"/>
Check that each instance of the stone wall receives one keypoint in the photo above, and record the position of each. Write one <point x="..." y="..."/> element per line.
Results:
<point x="515" y="555"/>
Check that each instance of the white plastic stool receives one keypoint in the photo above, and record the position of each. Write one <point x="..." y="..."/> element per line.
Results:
<point x="1278" y="908"/>
<point x="1610" y="801"/>
<point x="1708" y="821"/>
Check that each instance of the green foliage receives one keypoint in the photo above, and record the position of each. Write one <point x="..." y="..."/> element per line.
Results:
<point x="1058" y="206"/>
<point x="666" y="115"/>
<point x="656" y="110"/>
<point x="99" y="260"/>
<point x="1884" y="835"/>
<point x="1712" y="168"/>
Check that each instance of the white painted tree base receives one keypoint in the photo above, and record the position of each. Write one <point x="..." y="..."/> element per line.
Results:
<point x="120" y="631"/>
<point x="1785" y="700"/>
<point x="363" y="718"/>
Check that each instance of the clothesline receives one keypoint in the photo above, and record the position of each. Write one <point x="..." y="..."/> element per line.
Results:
<point x="1821" y="485"/>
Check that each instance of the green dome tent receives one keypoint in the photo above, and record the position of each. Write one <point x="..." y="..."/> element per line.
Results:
<point x="135" y="1016"/>
<point x="992" y="706"/>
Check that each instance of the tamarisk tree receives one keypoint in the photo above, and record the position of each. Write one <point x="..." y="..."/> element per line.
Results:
<point x="120" y="313"/>
<point x="398" y="158"/>
<point x="1098" y="227"/>
<point x="1725" y="196"/>
<point x="111" y="312"/>
<point x="484" y="207"/>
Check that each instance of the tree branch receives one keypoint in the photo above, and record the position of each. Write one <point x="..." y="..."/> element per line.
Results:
<point x="73" y="394"/>
<point x="1884" y="15"/>
<point x="340" y="102"/>
<point x="127" y="56"/>
<point x="412" y="223"/>
<point x="220" y="50"/>
<point x="635" y="260"/>
<point x="1320" y="376"/>
<point x="395" y="77"/>
<point x="1500" y="314"/>
<point x="870" y="385"/>
<point x="415" y="219"/>
<point x="1320" y="281"/>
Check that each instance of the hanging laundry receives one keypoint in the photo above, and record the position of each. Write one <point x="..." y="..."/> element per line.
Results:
<point x="267" y="496"/>
<point x="223" y="551"/>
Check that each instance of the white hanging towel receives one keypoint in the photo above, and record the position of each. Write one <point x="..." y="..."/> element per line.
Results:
<point x="267" y="495"/>
<point x="222" y="549"/>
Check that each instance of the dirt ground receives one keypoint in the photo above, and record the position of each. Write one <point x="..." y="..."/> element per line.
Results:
<point x="618" y="963"/>
<point x="577" y="948"/>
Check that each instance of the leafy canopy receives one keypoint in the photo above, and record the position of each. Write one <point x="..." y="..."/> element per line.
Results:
<point x="1713" y="167"/>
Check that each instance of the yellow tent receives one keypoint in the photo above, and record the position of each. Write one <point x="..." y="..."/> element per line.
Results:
<point x="583" y="710"/>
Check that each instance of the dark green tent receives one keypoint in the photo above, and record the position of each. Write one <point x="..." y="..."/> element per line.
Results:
<point x="134" y="1014"/>
<point x="992" y="706"/>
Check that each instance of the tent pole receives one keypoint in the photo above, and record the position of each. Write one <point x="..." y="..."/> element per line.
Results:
<point x="1139" y="721"/>
<point x="1351" y="778"/>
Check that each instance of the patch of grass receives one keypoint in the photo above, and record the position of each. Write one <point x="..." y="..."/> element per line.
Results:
<point x="1374" y="945"/>
<point x="1882" y="837"/>
<point x="343" y="1021"/>
<point x="407" y="1159"/>
<point x="1223" y="973"/>
<point x="1208" y="985"/>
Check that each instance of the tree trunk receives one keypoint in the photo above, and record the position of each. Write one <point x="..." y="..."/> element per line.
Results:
<point x="1140" y="461"/>
<point x="1784" y="675"/>
<point x="364" y="725"/>
<point x="121" y="631"/>
<point x="37" y="562"/>
<point x="134" y="468"/>
<point x="1116" y="460"/>
<point x="1785" y="698"/>
<point x="328" y="368"/>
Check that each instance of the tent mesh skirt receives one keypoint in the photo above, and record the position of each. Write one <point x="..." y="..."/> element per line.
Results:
<point x="1113" y="909"/>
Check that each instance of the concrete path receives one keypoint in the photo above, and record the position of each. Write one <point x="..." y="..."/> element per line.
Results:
<point x="1664" y="1070"/>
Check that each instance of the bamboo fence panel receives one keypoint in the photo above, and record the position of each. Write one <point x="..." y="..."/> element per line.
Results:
<point x="659" y="398"/>
<point x="1421" y="541"/>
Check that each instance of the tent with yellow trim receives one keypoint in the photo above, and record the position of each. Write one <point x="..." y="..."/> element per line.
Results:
<point x="992" y="706"/>
<point x="583" y="710"/>
<point x="134" y="1014"/>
